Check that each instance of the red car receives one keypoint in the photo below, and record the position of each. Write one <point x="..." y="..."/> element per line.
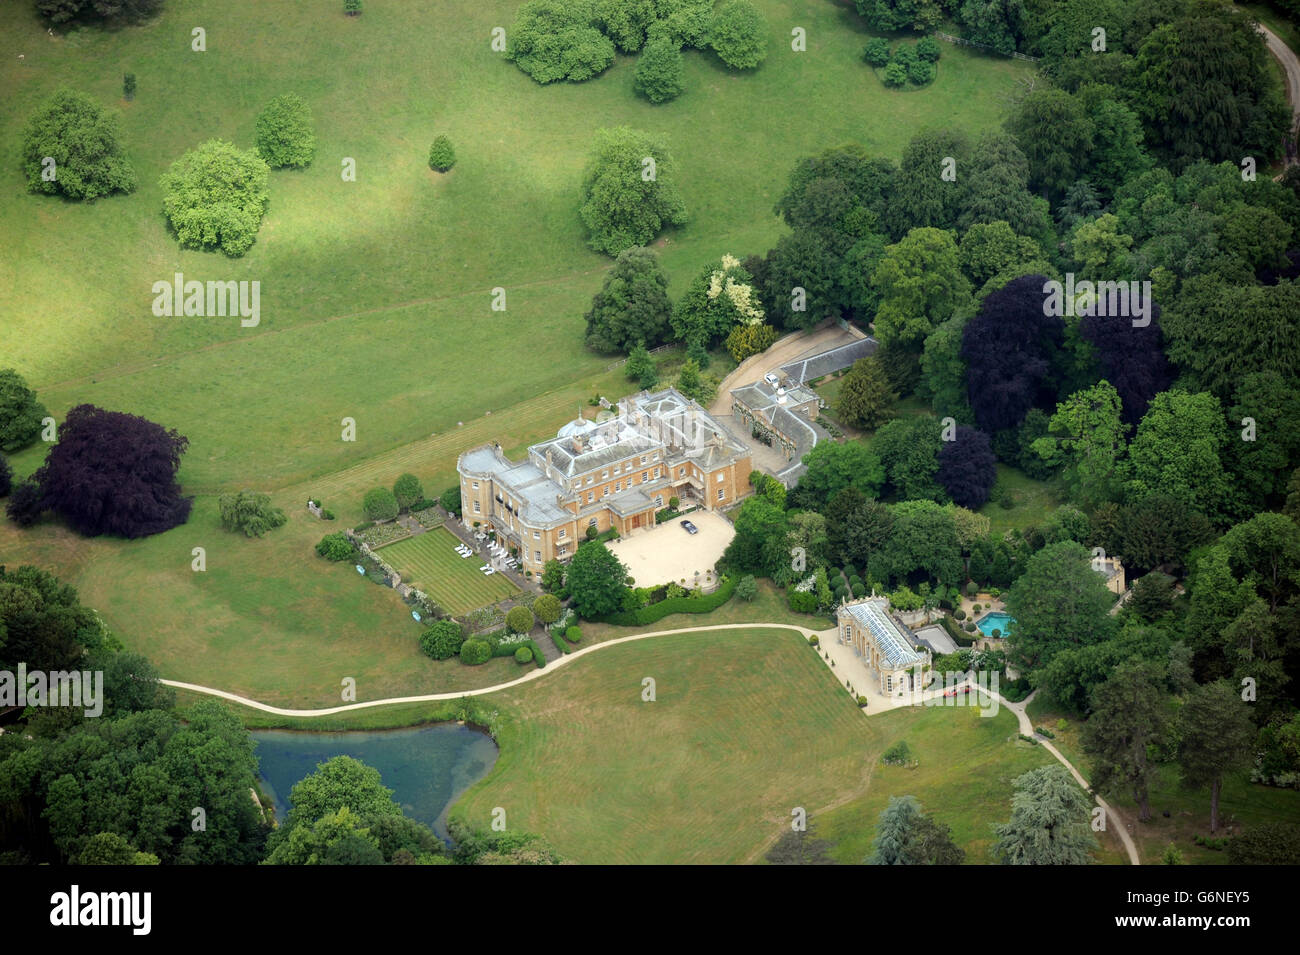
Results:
<point x="953" y="691"/>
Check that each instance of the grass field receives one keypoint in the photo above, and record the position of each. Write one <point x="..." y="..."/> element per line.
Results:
<point x="745" y="727"/>
<point x="430" y="563"/>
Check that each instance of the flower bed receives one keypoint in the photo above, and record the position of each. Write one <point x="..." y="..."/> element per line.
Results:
<point x="382" y="534"/>
<point x="430" y="517"/>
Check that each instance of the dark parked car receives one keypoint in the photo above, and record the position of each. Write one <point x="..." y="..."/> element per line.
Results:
<point x="689" y="527"/>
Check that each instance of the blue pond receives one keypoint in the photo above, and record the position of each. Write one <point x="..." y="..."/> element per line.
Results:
<point x="427" y="767"/>
<point x="995" y="620"/>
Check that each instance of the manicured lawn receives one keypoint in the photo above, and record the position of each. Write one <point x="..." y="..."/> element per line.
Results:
<point x="746" y="726"/>
<point x="430" y="563"/>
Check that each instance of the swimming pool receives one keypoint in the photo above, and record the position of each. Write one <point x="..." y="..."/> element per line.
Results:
<point x="995" y="620"/>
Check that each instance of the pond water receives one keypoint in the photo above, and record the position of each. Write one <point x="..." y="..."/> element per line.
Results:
<point x="427" y="767"/>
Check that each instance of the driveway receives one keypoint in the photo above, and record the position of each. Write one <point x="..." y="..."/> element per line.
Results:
<point x="667" y="553"/>
<point x="783" y="351"/>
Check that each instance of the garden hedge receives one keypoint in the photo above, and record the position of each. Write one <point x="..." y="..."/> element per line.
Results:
<point x="656" y="612"/>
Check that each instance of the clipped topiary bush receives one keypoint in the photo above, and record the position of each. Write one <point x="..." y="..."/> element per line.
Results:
<point x="475" y="652"/>
<point x="573" y="634"/>
<point x="523" y="655"/>
<point x="519" y="620"/>
<point x="547" y="608"/>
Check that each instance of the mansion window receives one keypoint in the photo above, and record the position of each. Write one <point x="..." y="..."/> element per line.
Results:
<point x="659" y="500"/>
<point x="618" y="485"/>
<point x="656" y="472"/>
<point x="537" y="557"/>
<point x="591" y="496"/>
<point x="562" y="533"/>
<point x="564" y="549"/>
<point x="476" y="485"/>
<point x="477" y="510"/>
<point x="720" y="477"/>
<point x="643" y="459"/>
<point x="645" y="476"/>
<point x="537" y="535"/>
<point x="590" y="478"/>
<point x="722" y="492"/>
<point x="592" y="522"/>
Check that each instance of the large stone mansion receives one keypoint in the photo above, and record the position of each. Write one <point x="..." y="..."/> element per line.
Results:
<point x="898" y="661"/>
<point x="613" y="473"/>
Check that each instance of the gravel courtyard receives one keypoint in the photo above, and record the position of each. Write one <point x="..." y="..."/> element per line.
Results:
<point x="668" y="553"/>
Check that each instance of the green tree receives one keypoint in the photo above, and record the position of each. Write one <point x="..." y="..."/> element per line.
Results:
<point x="1216" y="736"/>
<point x="215" y="195"/>
<point x="625" y="21"/>
<point x="108" y="848"/>
<point x="660" y="71"/>
<point x="1049" y="821"/>
<point x="442" y="155"/>
<point x="338" y="783"/>
<point x="1219" y="104"/>
<point x="1178" y="450"/>
<point x="285" y="134"/>
<point x="759" y="546"/>
<point x="251" y="512"/>
<point x="909" y="452"/>
<point x="380" y="504"/>
<point x="906" y="836"/>
<point x="1055" y="133"/>
<point x="747" y="588"/>
<point x="632" y="306"/>
<point x="1129" y="715"/>
<point x="554" y="40"/>
<point x="1059" y="602"/>
<point x="629" y="191"/>
<point x="866" y="399"/>
<point x="1087" y="437"/>
<point x="596" y="580"/>
<point x="552" y="576"/>
<point x="693" y="384"/>
<point x="876" y="51"/>
<point x="920" y="284"/>
<point x="719" y="298"/>
<point x="831" y="467"/>
<point x="20" y="413"/>
<point x="738" y="34"/>
<point x="82" y="140"/>
<point x="943" y="373"/>
<point x="443" y="640"/>
<point x="336" y="838"/>
<point x="922" y="539"/>
<point x="408" y="491"/>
